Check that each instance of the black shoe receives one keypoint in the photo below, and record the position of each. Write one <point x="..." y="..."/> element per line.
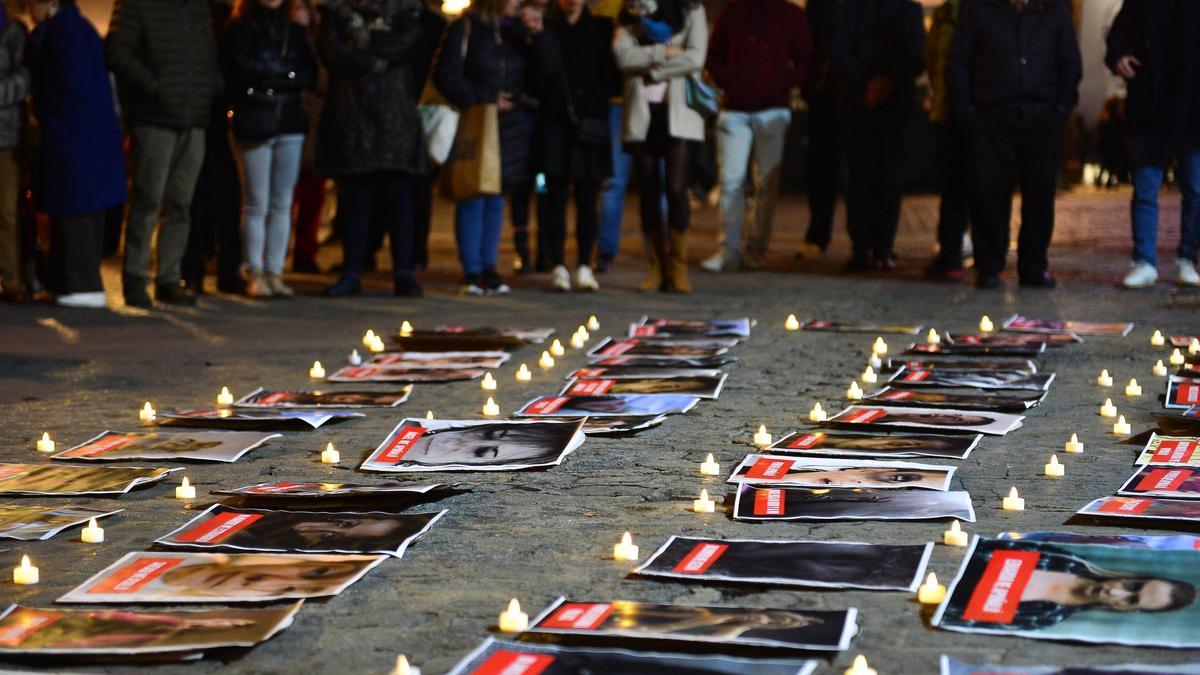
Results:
<point x="989" y="281"/>
<point x="344" y="288"/>
<point x="406" y="286"/>
<point x="305" y="267"/>
<point x="604" y="265"/>
<point x="1043" y="280"/>
<point x="174" y="294"/>
<point x="939" y="271"/>
<point x="493" y="284"/>
<point x="858" y="263"/>
<point x="136" y="294"/>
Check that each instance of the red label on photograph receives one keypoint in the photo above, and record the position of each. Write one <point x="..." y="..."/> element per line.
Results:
<point x="452" y="329"/>
<point x="589" y="372"/>
<point x="135" y="575"/>
<point x="866" y="415"/>
<point x="219" y="527"/>
<point x="970" y="340"/>
<point x="102" y="446"/>
<point x="1167" y="480"/>
<point x="275" y="397"/>
<point x="770" y="469"/>
<point x="618" y="361"/>
<point x="400" y="444"/>
<point x="357" y="373"/>
<point x="1187" y="393"/>
<point x="578" y="616"/>
<point x="619" y="347"/>
<point x="916" y="376"/>
<point x="996" y="597"/>
<point x="590" y="387"/>
<point x="1125" y="505"/>
<point x="547" y="405"/>
<point x="806" y="441"/>
<point x="1181" y="341"/>
<point x="25" y="622"/>
<point x="1175" y="452"/>
<point x="768" y="503"/>
<point x="645" y="331"/>
<point x="897" y="395"/>
<point x="820" y="324"/>
<point x="701" y="558"/>
<point x="507" y="662"/>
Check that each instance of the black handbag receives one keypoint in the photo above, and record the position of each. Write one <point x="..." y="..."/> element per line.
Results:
<point x="588" y="130"/>
<point x="259" y="114"/>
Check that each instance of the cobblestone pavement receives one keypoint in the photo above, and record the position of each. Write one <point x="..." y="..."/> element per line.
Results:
<point x="536" y="535"/>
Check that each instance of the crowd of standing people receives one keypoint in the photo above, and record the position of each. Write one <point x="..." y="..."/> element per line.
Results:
<point x="236" y="117"/>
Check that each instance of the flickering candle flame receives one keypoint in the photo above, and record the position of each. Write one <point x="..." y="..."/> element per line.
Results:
<point x="185" y="490"/>
<point x="593" y="323"/>
<point x="626" y="549"/>
<point x="1108" y="409"/>
<point x="578" y="341"/>
<point x="376" y="345"/>
<point x="761" y="438"/>
<point x="44" y="443"/>
<point x="955" y="536"/>
<point x="1157" y="339"/>
<point x="1104" y="380"/>
<point x="428" y="414"/>
<point x="488" y="383"/>
<point x="317" y="372"/>
<point x="330" y="455"/>
<point x="1194" y="346"/>
<point x="224" y="399"/>
<point x="147" y="414"/>
<point x="1054" y="469"/>
<point x="792" y="323"/>
<point x="880" y="348"/>
<point x="869" y="376"/>
<point x="1133" y="389"/>
<point x="354" y="359"/>
<point x="368" y="338"/>
<point x="985" y="324"/>
<point x="556" y="348"/>
<point x="25" y="574"/>
<point x="855" y="392"/>
<point x="1177" y="358"/>
<point x="547" y="361"/>
<point x="709" y="466"/>
<point x="490" y="409"/>
<point x="523" y="374"/>
<point x="513" y="620"/>
<point x="703" y="504"/>
<point x="403" y="668"/>
<point x="817" y="414"/>
<point x="406" y="329"/>
<point x="860" y="667"/>
<point x="1159" y="369"/>
<point x="92" y="534"/>
<point x="933" y="338"/>
<point x="1074" y="446"/>
<point x="1013" y="502"/>
<point x="1122" y="428"/>
<point x="583" y="331"/>
<point x="931" y="592"/>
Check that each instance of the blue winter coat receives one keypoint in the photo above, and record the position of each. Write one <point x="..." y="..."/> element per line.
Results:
<point x="81" y="166"/>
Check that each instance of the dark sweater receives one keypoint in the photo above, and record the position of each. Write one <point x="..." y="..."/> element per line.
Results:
<point x="759" y="51"/>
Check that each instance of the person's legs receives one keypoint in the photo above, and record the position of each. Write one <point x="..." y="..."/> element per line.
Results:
<point x="1189" y="216"/>
<point x="393" y="190"/>
<point x="1147" y="175"/>
<point x="991" y="193"/>
<point x="10" y="231"/>
<point x="650" y="209"/>
<point x="493" y="225"/>
<point x="186" y="159"/>
<point x="558" y="189"/>
<point x="256" y="158"/>
<point x="1038" y="159"/>
<point x="822" y="167"/>
<point x="82" y="237"/>
<point x="954" y="208"/>
<point x="770" y="137"/>
<point x="310" y="200"/>
<point x="735" y="140"/>
<point x="889" y="190"/>
<point x="422" y="210"/>
<point x="468" y="234"/>
<point x="679" y="215"/>
<point x="586" y="219"/>
<point x="355" y="205"/>
<point x="519" y="196"/>
<point x="153" y="148"/>
<point x="285" y="169"/>
<point x="860" y="196"/>
<point x="612" y="198"/>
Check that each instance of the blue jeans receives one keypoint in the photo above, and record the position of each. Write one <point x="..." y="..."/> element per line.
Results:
<point x="477" y="226"/>
<point x="612" y="197"/>
<point x="269" y="172"/>
<point x="750" y="140"/>
<point x="1147" y="181"/>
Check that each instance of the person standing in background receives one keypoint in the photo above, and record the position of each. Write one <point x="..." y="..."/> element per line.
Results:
<point x="433" y="27"/>
<point x="1155" y="46"/>
<point x="612" y="194"/>
<point x="1013" y="77"/>
<point x="14" y="85"/>
<point x="759" y="53"/>
<point x="877" y="55"/>
<point x="81" y="162"/>
<point x="823" y="160"/>
<point x="310" y="187"/>
<point x="953" y="151"/>
<point x="164" y="55"/>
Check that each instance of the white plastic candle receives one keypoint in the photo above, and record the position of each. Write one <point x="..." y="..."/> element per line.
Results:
<point x="330" y="455"/>
<point x="1073" y="446"/>
<point x="709" y="466"/>
<point x="869" y="376"/>
<point x="1157" y="339"/>
<point x="1108" y="409"/>
<point x="875" y="362"/>
<point x="1105" y="380"/>
<point x="933" y="338"/>
<point x="761" y="437"/>
<point x="817" y="414"/>
<point x="1013" y="502"/>
<point x="1177" y="358"/>
<point x="985" y="324"/>
<point x="582" y="330"/>
<point x="403" y="667"/>
<point x="593" y="323"/>
<point x="147" y="414"/>
<point x="317" y="372"/>
<point x="1054" y="469"/>
<point x="185" y="490"/>
<point x="44" y="443"/>
<point x="792" y="323"/>
<point x="1133" y="389"/>
<point x="523" y="374"/>
<point x="955" y="536"/>
<point x="625" y="549"/>
<point x="1160" y="369"/>
<point x="406" y="329"/>
<point x="855" y="392"/>
<point x="25" y="574"/>
<point x="556" y="349"/>
<point x="1194" y="347"/>
<point x="490" y="408"/>
<point x="368" y="338"/>
<point x="354" y="359"/>
<point x="703" y="504"/>
<point x="880" y="348"/>
<point x="931" y="592"/>
<point x="547" y="361"/>
<point x="578" y="341"/>
<point x="1122" y="428"/>
<point x="428" y="414"/>
<point x="376" y="345"/>
<point x="513" y="620"/>
<point x="488" y="383"/>
<point x="860" y="667"/>
<point x="224" y="399"/>
<point x="92" y="534"/>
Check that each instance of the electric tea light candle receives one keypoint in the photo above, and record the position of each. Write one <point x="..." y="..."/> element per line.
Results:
<point x="761" y="438"/>
<point x="955" y="536"/>
<point x="44" y="443"/>
<point x="1013" y="502"/>
<point x="703" y="504"/>
<point x="1159" y="369"/>
<point x="354" y="359"/>
<point x="1133" y="389"/>
<point x="869" y="376"/>
<point x="224" y="399"/>
<point x="985" y="324"/>
<point x="578" y="341"/>
<point x="1108" y="409"/>
<point x="523" y="374"/>
<point x="490" y="408"/>
<point x="25" y="574"/>
<point x="330" y="455"/>
<point x="428" y="414"/>
<point x="1074" y="446"/>
<point x="880" y="348"/>
<point x="860" y="667"/>
<point x="855" y="392"/>
<point x="403" y="668"/>
<point x="931" y="592"/>
<point x="513" y="620"/>
<point x="593" y="323"/>
<point x="556" y="348"/>
<point x="1177" y="358"/>
<point x="185" y="490"/>
<point x="1157" y="340"/>
<point x="406" y="329"/>
<point x="376" y="345"/>
<point x="147" y="414"/>
<point x="709" y="466"/>
<point x="792" y="323"/>
<point x="488" y="383"/>
<point x="92" y="534"/>
<point x="317" y="372"/>
<point x="817" y="414"/>
<point x="875" y="362"/>
<point x="547" y="361"/>
<point x="1105" y="380"/>
<point x="1054" y="469"/>
<point x="625" y="549"/>
<point x="368" y="338"/>
<point x="933" y="338"/>
<point x="1194" y="347"/>
<point x="1122" y="428"/>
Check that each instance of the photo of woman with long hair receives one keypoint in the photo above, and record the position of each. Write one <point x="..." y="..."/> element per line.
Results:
<point x="461" y="445"/>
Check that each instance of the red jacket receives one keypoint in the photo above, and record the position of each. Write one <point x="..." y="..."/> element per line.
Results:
<point x="759" y="51"/>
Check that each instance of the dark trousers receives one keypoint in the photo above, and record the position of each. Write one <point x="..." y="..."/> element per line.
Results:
<point x="76" y="247"/>
<point x="422" y="201"/>
<point x="1010" y="149"/>
<point x="310" y="201"/>
<point x="382" y="195"/>
<point x="953" y="143"/>
<point x="587" y="216"/>
<point x="822" y="167"/>
<point x="875" y="159"/>
<point x="216" y="212"/>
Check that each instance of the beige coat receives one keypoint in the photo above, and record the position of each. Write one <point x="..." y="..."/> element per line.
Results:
<point x="638" y="62"/>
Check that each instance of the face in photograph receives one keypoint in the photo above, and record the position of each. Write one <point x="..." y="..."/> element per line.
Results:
<point x="125" y="628"/>
<point x="681" y="384"/>
<point x="355" y="532"/>
<point x="710" y="623"/>
<point x="261" y="575"/>
<point x="491" y="444"/>
<point x="887" y="443"/>
<point x="865" y="477"/>
<point x="63" y="479"/>
<point x="937" y="419"/>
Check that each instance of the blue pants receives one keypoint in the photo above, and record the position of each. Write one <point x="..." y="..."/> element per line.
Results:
<point x="612" y="197"/>
<point x="1147" y="181"/>
<point x="477" y="226"/>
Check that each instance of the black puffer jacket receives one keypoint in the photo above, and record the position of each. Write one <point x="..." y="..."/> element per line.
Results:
<point x="270" y="64"/>
<point x="370" y="121"/>
<point x="165" y="59"/>
<point x="495" y="62"/>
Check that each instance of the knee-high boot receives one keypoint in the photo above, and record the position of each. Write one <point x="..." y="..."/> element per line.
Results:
<point x="678" y="274"/>
<point x="656" y="253"/>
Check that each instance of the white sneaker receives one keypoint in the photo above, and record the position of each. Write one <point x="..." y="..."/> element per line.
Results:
<point x="585" y="280"/>
<point x="714" y="264"/>
<point x="471" y="289"/>
<point x="1188" y="276"/>
<point x="1141" y="275"/>
<point x="560" y="279"/>
<point x="968" y="246"/>
<point x="93" y="300"/>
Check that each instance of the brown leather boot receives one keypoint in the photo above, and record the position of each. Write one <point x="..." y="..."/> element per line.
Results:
<point x="678" y="265"/>
<point x="656" y="251"/>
